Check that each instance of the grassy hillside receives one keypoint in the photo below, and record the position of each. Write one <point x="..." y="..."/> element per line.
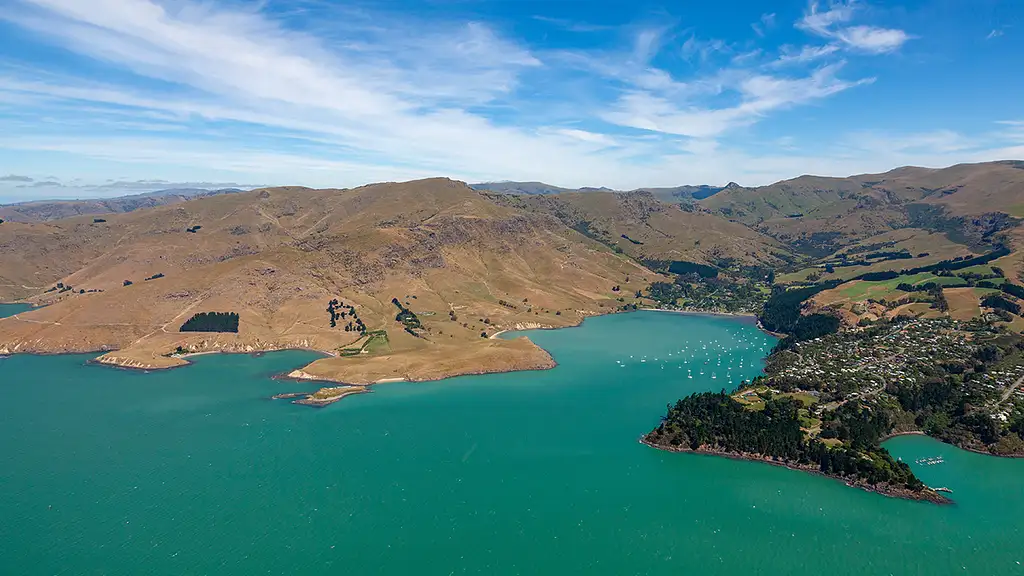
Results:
<point x="640" y="225"/>
<point x="425" y="272"/>
<point x="465" y="266"/>
<point x="816" y="215"/>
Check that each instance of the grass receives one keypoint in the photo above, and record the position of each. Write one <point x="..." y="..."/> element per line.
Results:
<point x="983" y="269"/>
<point x="862" y="290"/>
<point x="808" y="422"/>
<point x="1016" y="325"/>
<point x="803" y="397"/>
<point x="377" y="341"/>
<point x="750" y="400"/>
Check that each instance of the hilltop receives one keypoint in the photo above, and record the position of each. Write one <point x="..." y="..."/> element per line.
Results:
<point x="820" y="215"/>
<point x="683" y="193"/>
<point x="647" y="229"/>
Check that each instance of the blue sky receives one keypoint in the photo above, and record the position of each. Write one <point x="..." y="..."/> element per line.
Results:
<point x="104" y="96"/>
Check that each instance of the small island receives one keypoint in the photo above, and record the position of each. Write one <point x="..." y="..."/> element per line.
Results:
<point x="322" y="397"/>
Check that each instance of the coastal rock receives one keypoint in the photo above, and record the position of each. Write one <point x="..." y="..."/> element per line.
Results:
<point x="300" y="375"/>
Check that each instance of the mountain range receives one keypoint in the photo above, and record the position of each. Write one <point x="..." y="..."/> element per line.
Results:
<point x="44" y="210"/>
<point x="674" y="194"/>
<point x="432" y="269"/>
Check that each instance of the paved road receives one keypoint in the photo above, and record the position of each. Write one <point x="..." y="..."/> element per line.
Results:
<point x="1010" y="389"/>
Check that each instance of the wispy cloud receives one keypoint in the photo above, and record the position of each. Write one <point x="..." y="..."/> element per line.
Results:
<point x="571" y="25"/>
<point x="831" y="23"/>
<point x="193" y="90"/>
<point x="759" y="95"/>
<point x="766" y="23"/>
<point x="790" y="55"/>
<point x="995" y="33"/>
<point x="16" y="178"/>
<point x="695" y="47"/>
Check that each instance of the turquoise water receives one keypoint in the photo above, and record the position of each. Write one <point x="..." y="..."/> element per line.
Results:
<point x="12" y="309"/>
<point x="195" y="471"/>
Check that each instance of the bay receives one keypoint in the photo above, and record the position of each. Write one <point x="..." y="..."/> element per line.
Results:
<point x="196" y="471"/>
<point x="12" y="309"/>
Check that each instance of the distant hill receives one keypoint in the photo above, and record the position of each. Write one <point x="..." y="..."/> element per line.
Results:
<point x="970" y="201"/>
<point x="644" y="227"/>
<point x="676" y="194"/>
<point x="684" y="192"/>
<point x="46" y="210"/>
<point x="528" y="188"/>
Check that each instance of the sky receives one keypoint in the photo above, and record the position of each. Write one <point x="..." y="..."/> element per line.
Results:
<point x="102" y="96"/>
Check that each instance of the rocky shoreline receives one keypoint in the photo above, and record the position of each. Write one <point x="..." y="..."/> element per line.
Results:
<point x="926" y="495"/>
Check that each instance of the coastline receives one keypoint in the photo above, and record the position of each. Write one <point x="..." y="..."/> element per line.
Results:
<point x="109" y="358"/>
<point x="700" y="312"/>
<point x="965" y="448"/>
<point x="757" y="320"/>
<point x="898" y="434"/>
<point x="322" y="397"/>
<point x="926" y="495"/>
<point x="129" y="364"/>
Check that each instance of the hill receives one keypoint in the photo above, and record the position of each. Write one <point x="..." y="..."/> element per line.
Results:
<point x="819" y="215"/>
<point x="46" y="210"/>
<point x="411" y="280"/>
<point x="671" y="195"/>
<point x="528" y="188"/>
<point x="645" y="228"/>
<point x="684" y="193"/>
<point x="430" y="270"/>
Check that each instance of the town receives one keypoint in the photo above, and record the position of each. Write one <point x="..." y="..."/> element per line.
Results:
<point x="959" y="381"/>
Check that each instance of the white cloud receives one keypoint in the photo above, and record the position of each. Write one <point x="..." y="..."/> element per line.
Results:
<point x="703" y="48"/>
<point x="892" y="143"/>
<point x="830" y="24"/>
<point x="821" y="23"/>
<point x="205" y="91"/>
<point x="872" y="39"/>
<point x="996" y="33"/>
<point x="789" y="55"/>
<point x="759" y="94"/>
<point x="767" y="22"/>
<point x="586" y="136"/>
<point x="572" y="25"/>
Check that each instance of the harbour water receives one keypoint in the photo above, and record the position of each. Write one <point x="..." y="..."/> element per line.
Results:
<point x="12" y="309"/>
<point x="196" y="471"/>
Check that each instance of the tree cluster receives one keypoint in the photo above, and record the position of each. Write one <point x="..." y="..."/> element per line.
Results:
<point x="999" y="302"/>
<point x="717" y="422"/>
<point x="211" y="322"/>
<point x="408" y="318"/>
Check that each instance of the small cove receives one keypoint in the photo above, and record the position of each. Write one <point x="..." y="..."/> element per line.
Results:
<point x="12" y="309"/>
<point x="195" y="470"/>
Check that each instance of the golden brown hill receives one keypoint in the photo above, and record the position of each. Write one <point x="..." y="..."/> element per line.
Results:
<point x="639" y="224"/>
<point x="819" y="215"/>
<point x="464" y="265"/>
